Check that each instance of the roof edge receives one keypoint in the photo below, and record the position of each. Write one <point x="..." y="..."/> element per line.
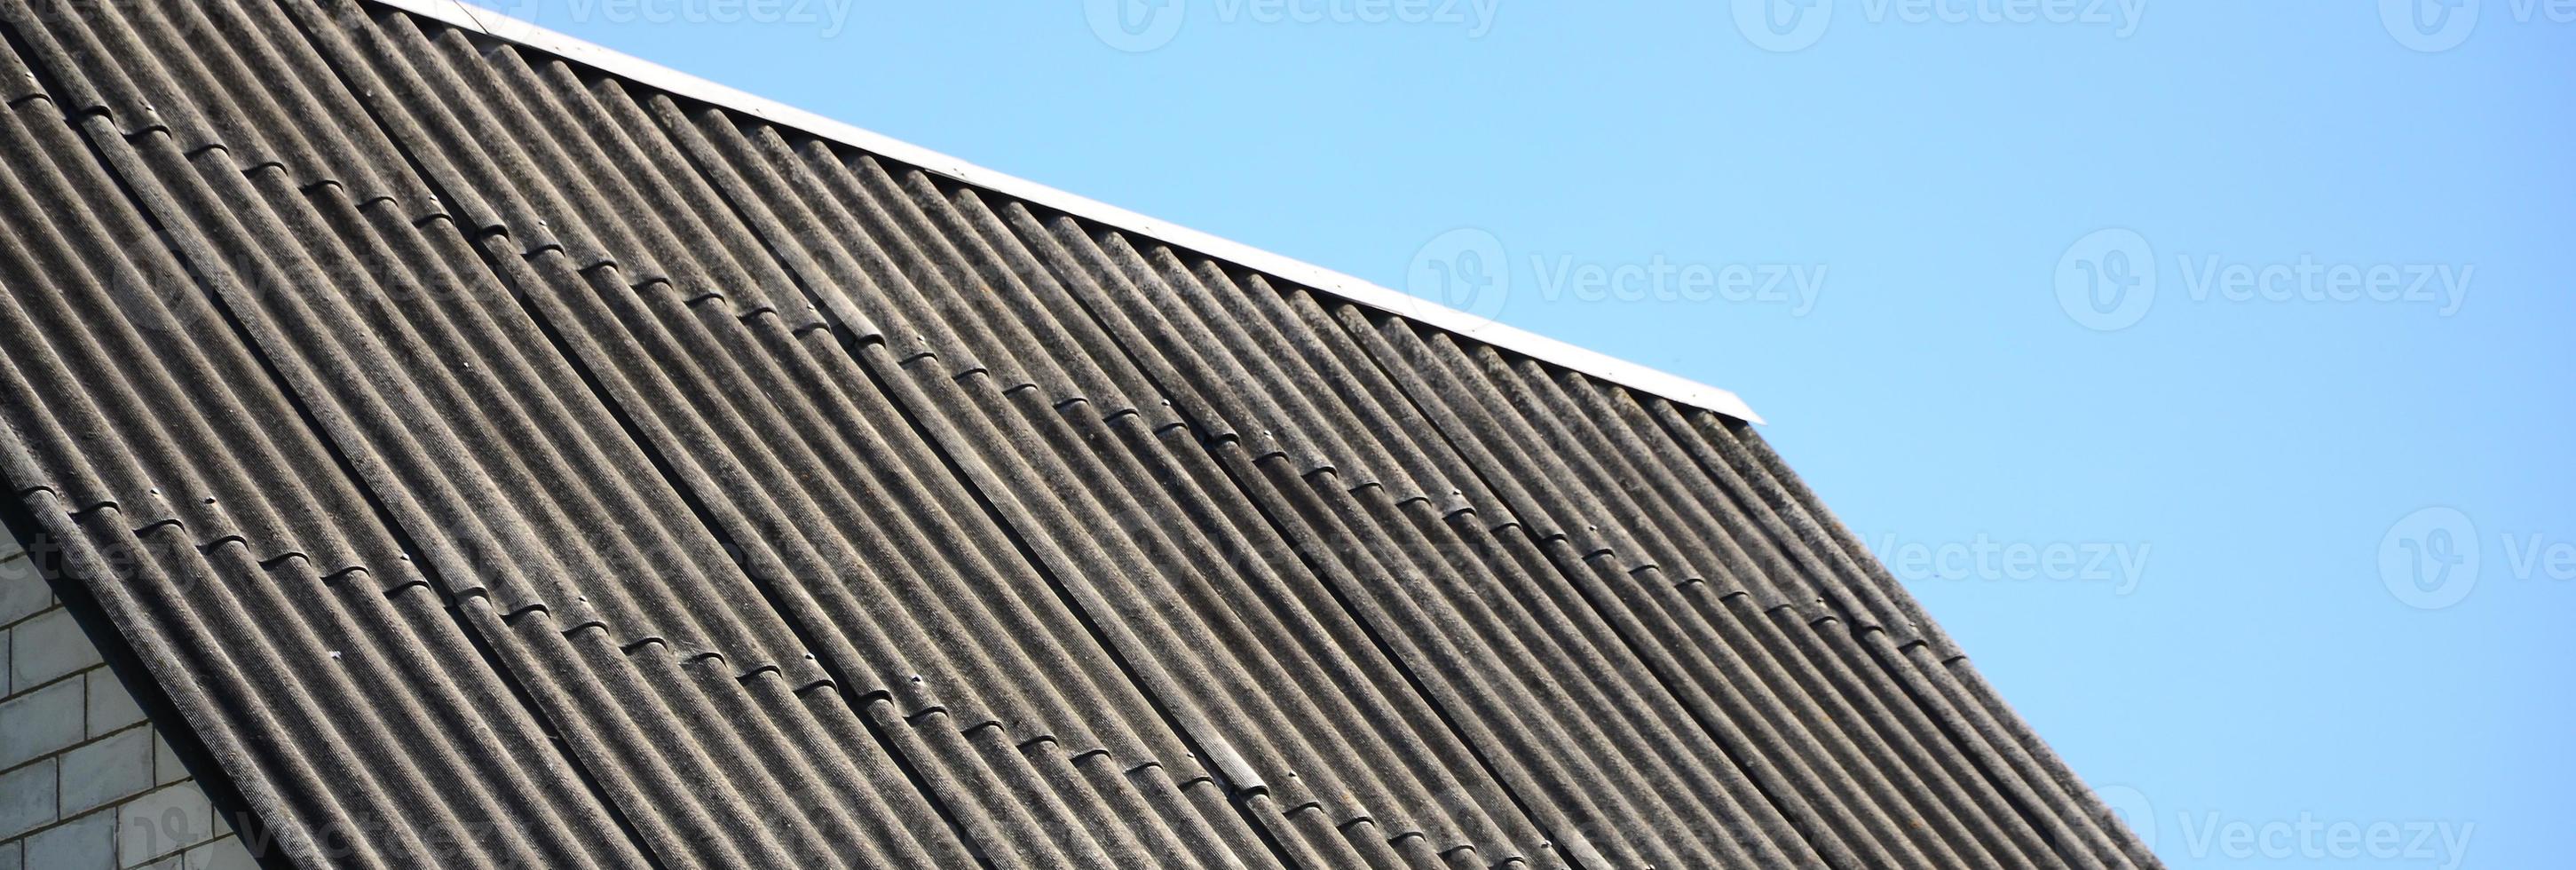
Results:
<point x="501" y="25"/>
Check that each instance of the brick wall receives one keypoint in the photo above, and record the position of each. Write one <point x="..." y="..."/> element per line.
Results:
<point x="86" y="783"/>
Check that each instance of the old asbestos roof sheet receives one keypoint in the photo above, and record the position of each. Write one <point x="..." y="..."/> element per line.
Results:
<point x="495" y="461"/>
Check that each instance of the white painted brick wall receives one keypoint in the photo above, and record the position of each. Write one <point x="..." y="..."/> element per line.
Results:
<point x="85" y="782"/>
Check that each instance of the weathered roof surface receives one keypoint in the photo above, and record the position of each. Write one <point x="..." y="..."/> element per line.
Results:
<point x="497" y="462"/>
<point x="1326" y="281"/>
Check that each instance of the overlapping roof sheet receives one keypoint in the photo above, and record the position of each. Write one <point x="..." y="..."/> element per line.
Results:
<point x="495" y="462"/>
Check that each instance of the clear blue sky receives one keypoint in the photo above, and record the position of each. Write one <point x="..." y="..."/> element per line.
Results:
<point x="2277" y="633"/>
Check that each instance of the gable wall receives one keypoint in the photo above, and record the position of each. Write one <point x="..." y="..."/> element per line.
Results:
<point x="86" y="780"/>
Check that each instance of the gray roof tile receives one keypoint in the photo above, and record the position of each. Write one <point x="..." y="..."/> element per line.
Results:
<point x="495" y="461"/>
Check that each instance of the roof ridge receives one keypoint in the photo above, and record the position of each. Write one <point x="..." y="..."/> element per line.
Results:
<point x="501" y="25"/>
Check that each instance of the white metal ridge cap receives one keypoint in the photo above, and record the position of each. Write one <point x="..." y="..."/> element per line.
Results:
<point x="501" y="25"/>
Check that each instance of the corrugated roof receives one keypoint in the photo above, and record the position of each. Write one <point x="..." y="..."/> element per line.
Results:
<point x="500" y="462"/>
<point x="1278" y="267"/>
